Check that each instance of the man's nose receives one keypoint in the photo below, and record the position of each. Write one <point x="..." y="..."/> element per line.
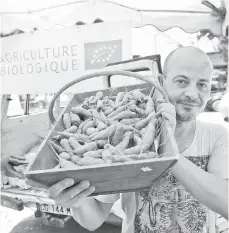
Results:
<point x="191" y="92"/>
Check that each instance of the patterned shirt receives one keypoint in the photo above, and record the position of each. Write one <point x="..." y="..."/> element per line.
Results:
<point x="167" y="207"/>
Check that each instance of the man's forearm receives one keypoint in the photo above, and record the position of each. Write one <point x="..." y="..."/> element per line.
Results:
<point x="210" y="190"/>
<point x="91" y="214"/>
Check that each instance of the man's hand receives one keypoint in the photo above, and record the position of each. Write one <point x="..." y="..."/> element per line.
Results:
<point x="65" y="193"/>
<point x="167" y="111"/>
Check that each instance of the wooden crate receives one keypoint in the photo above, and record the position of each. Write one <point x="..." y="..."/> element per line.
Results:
<point x="113" y="178"/>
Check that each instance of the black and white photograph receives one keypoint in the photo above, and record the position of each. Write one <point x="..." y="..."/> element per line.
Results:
<point x="114" y="116"/>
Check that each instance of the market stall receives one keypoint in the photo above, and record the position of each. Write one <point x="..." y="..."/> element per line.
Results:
<point x="117" y="19"/>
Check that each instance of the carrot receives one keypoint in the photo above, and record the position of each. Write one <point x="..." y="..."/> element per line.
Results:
<point x="65" y="155"/>
<point x="89" y="124"/>
<point x="79" y="131"/>
<point x="130" y="97"/>
<point x="126" y="127"/>
<point x="75" y="159"/>
<point x="119" y="98"/>
<point x="90" y="131"/>
<point x="113" y="150"/>
<point x="86" y="100"/>
<point x="75" y="119"/>
<point x="125" y="142"/>
<point x="67" y="120"/>
<point x="108" y="111"/>
<point x="149" y="155"/>
<point x="77" y="136"/>
<point x="111" y="103"/>
<point x="99" y="105"/>
<point x="137" y="139"/>
<point x="101" y="143"/>
<point x="143" y="131"/>
<point x="138" y="96"/>
<point x="121" y="108"/>
<point x="90" y="161"/>
<point x="92" y="135"/>
<point x="66" y="145"/>
<point x="106" y="107"/>
<point x="105" y="104"/>
<point x="67" y="164"/>
<point x="95" y="114"/>
<point x="106" y="156"/>
<point x="133" y="150"/>
<point x="74" y="143"/>
<point x="146" y="98"/>
<point x="124" y="115"/>
<point x="141" y="124"/>
<point x="117" y="111"/>
<point x="85" y="106"/>
<point x="91" y="98"/>
<point x="149" y="106"/>
<point x="72" y="129"/>
<point x="57" y="167"/>
<point x="99" y="94"/>
<point x="100" y="125"/>
<point x="105" y="99"/>
<point x="85" y="148"/>
<point x="142" y="105"/>
<point x="94" y="154"/>
<point x="149" y="136"/>
<point x="103" y="117"/>
<point x="125" y="98"/>
<point x="95" y="99"/>
<point x="104" y="134"/>
<point x="118" y="135"/>
<point x="119" y="158"/>
<point x="120" y="104"/>
<point x="139" y="111"/>
<point x="58" y="148"/>
<point x="83" y="123"/>
<point x="130" y="121"/>
<point x="81" y="112"/>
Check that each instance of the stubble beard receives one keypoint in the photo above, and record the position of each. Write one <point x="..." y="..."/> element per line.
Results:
<point x="185" y="117"/>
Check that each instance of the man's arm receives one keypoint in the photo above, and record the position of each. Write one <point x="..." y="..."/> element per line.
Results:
<point x="209" y="189"/>
<point x="91" y="213"/>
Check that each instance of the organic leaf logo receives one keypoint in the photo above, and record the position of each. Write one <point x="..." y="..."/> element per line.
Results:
<point x="103" y="54"/>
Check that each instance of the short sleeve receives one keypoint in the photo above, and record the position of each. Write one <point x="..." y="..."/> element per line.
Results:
<point x="218" y="164"/>
<point x="109" y="199"/>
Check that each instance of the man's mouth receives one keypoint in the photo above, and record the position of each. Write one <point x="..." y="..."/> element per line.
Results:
<point x="191" y="104"/>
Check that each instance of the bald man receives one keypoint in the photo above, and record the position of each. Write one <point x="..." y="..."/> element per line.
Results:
<point x="179" y="202"/>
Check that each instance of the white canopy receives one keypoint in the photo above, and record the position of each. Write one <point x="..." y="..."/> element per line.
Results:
<point x="189" y="15"/>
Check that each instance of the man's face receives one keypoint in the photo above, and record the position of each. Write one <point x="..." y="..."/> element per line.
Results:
<point x="188" y="88"/>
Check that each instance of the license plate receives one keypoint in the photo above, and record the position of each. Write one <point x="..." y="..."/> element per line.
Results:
<point x="55" y="209"/>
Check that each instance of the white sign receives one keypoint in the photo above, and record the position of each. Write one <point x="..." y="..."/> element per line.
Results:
<point x="44" y="61"/>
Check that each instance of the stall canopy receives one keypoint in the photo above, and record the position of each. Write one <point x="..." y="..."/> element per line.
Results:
<point x="190" y="16"/>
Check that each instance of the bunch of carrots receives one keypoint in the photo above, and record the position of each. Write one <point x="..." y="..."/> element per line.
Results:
<point x="108" y="129"/>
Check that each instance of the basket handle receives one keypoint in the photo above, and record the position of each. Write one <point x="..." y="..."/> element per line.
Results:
<point x="148" y="80"/>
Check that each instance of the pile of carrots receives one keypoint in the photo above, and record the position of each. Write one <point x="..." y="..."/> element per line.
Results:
<point x="108" y="129"/>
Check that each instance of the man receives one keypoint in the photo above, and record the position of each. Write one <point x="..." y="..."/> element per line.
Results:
<point x="179" y="201"/>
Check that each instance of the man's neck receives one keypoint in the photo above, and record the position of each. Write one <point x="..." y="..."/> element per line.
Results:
<point x="183" y="128"/>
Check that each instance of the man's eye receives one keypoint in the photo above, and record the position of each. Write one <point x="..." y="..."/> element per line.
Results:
<point x="203" y="85"/>
<point x="181" y="82"/>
